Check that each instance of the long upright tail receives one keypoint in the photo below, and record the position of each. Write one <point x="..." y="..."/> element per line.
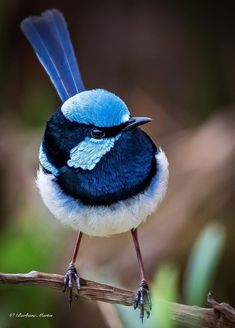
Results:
<point x="49" y="37"/>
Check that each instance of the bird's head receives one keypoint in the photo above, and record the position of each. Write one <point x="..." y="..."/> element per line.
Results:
<point x="101" y="109"/>
<point x="96" y="107"/>
<point x="95" y="120"/>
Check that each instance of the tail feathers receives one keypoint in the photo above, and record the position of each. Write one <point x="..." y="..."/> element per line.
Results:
<point x="49" y="37"/>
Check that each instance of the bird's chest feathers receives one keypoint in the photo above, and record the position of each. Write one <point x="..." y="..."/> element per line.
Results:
<point x="89" y="152"/>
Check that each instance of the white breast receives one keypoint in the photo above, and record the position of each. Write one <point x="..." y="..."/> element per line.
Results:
<point x="105" y="220"/>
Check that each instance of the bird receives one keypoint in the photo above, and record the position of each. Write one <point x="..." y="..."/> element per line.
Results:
<point x="99" y="172"/>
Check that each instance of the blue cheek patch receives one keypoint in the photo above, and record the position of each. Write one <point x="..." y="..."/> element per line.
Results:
<point x="90" y="151"/>
<point x="45" y="162"/>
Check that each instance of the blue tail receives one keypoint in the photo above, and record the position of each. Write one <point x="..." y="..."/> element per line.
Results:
<point x="49" y="37"/>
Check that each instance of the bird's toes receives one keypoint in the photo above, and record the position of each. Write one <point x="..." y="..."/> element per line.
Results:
<point x="143" y="300"/>
<point x="71" y="280"/>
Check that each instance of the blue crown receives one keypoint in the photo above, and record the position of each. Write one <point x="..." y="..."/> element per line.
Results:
<point x="98" y="107"/>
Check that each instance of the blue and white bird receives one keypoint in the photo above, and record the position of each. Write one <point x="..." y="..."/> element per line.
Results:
<point x="99" y="172"/>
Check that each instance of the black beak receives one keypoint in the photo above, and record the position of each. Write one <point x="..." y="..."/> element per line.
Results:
<point x="136" y="121"/>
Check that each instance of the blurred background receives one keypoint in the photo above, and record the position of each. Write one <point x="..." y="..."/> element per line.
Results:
<point x="173" y="61"/>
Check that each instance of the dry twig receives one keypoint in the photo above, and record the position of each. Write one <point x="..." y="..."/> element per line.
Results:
<point x="219" y="315"/>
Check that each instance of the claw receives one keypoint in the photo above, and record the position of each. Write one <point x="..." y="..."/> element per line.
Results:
<point x="70" y="278"/>
<point x="137" y="299"/>
<point x="143" y="300"/>
<point x="65" y="282"/>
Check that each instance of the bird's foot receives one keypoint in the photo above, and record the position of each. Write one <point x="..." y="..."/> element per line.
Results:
<point x="71" y="278"/>
<point x="143" y="300"/>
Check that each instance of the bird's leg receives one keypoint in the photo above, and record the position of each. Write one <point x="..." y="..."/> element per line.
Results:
<point x="71" y="276"/>
<point x="142" y="296"/>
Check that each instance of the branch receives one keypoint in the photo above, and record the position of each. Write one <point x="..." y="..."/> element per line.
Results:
<point x="89" y="289"/>
<point x="220" y="315"/>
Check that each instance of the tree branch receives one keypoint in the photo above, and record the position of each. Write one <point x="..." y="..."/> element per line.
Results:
<point x="89" y="289"/>
<point x="219" y="315"/>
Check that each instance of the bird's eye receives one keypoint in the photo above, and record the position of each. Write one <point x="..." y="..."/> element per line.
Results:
<point x="97" y="134"/>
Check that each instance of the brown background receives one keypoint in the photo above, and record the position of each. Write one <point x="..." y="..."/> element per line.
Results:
<point x="173" y="61"/>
